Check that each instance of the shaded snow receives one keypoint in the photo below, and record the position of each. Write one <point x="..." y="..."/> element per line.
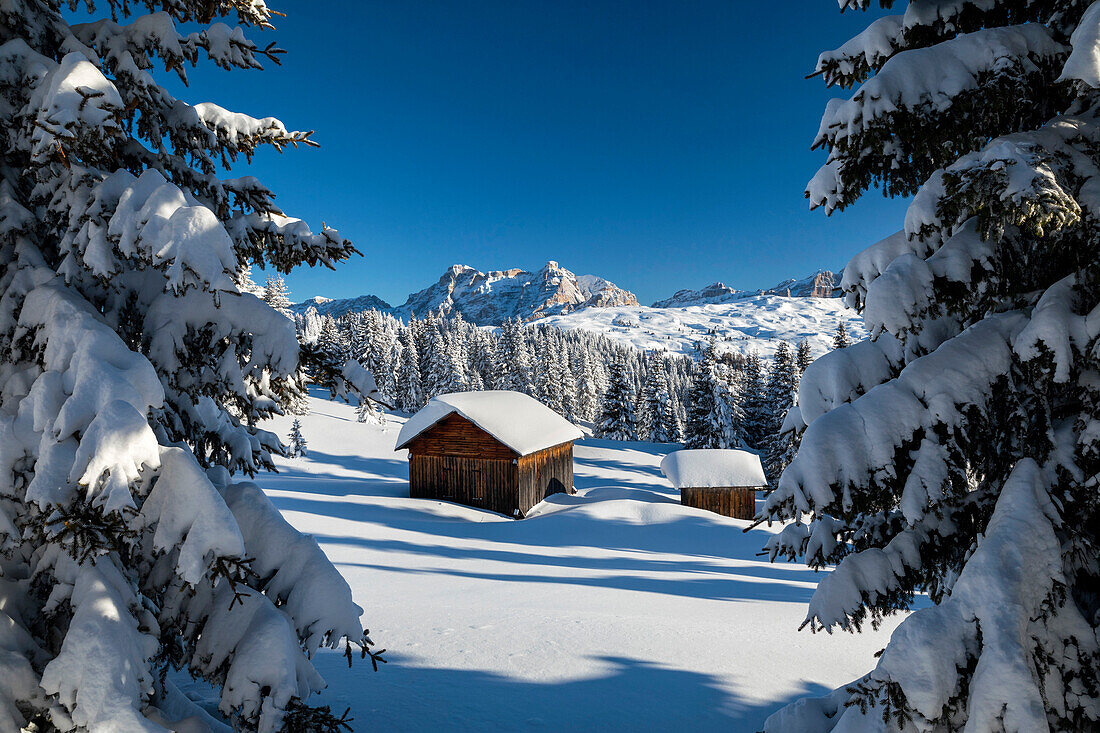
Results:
<point x="614" y="609"/>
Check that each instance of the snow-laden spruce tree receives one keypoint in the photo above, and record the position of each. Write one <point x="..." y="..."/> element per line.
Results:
<point x="277" y="294"/>
<point x="589" y="386"/>
<point x="803" y="357"/>
<point x="713" y="413"/>
<point x="410" y="386"/>
<point x="754" y="403"/>
<point x="957" y="452"/>
<point x="133" y="372"/>
<point x="661" y="423"/>
<point x="548" y="381"/>
<point x="616" y="420"/>
<point x="297" y="447"/>
<point x="512" y="360"/>
<point x="780" y="394"/>
<point x="841" y="339"/>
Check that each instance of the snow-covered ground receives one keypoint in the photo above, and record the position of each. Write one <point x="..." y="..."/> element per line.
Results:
<point x="757" y="323"/>
<point x="615" y="609"/>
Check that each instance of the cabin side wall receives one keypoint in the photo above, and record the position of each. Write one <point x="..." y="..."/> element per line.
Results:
<point x="544" y="473"/>
<point x="738" y="502"/>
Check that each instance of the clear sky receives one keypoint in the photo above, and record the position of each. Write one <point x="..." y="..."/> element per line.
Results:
<point x="662" y="145"/>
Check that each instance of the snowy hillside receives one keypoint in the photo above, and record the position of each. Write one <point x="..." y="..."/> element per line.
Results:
<point x="341" y="306"/>
<point x="754" y="323"/>
<point x="821" y="284"/>
<point x="615" y="609"/>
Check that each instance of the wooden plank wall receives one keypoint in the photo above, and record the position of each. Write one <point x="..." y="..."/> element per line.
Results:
<point x="484" y="483"/>
<point x="736" y="501"/>
<point x="457" y="461"/>
<point x="454" y="435"/>
<point x="544" y="473"/>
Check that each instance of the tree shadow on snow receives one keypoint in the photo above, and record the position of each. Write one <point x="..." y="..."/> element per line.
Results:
<point x="691" y="532"/>
<point x="713" y="587"/>
<point x="628" y="695"/>
<point x="358" y="476"/>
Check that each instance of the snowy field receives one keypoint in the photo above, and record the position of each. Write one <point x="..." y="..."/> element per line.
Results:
<point x="757" y="323"/>
<point x="615" y="609"/>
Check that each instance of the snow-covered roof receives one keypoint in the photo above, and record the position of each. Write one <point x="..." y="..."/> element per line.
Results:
<point x="713" y="467"/>
<point x="518" y="421"/>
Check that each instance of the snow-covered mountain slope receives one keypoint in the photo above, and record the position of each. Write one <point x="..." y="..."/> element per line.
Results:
<point x="740" y="321"/>
<point x="821" y="284"/>
<point x="338" y="307"/>
<point x="616" y="609"/>
<point x="751" y="323"/>
<point x="490" y="298"/>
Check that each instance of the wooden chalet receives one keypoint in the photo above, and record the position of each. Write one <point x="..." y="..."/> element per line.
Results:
<point x="497" y="450"/>
<point x="721" y="481"/>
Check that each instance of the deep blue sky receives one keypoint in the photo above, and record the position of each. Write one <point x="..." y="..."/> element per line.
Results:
<point x="661" y="145"/>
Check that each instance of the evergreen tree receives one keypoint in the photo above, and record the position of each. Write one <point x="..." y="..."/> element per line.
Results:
<point x="714" y="415"/>
<point x="662" y="424"/>
<point x="841" y="339"/>
<point x="133" y="372"/>
<point x="435" y="376"/>
<point x="246" y="284"/>
<point x="308" y="326"/>
<point x="956" y="453"/>
<point x="563" y="374"/>
<point x="453" y="377"/>
<point x="326" y="358"/>
<point x="803" y="357"/>
<point x="589" y="387"/>
<point x="369" y="411"/>
<point x="410" y="389"/>
<point x="297" y="447"/>
<point x="754" y="401"/>
<point x="277" y="295"/>
<point x="481" y="355"/>
<point x="780" y="394"/>
<point x="512" y="368"/>
<point x="616" y="420"/>
<point x="548" y="385"/>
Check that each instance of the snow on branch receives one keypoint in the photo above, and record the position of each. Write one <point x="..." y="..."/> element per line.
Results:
<point x="239" y="133"/>
<point x="294" y="572"/>
<point x="949" y="82"/>
<point x="842" y="375"/>
<point x="845" y="449"/>
<point x="91" y="386"/>
<point x="1083" y="63"/>
<point x="187" y="513"/>
<point x="156" y="35"/>
<point x="156" y="221"/>
<point x="862" y="55"/>
<point x="248" y="644"/>
<point x="102" y="672"/>
<point x="78" y="112"/>
<point x="1028" y="180"/>
<point x="284" y="241"/>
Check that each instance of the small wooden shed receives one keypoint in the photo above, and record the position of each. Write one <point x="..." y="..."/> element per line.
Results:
<point x="723" y="481"/>
<point x="498" y="450"/>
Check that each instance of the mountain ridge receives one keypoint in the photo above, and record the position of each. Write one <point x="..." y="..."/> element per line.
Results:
<point x="492" y="297"/>
<point x="820" y="284"/>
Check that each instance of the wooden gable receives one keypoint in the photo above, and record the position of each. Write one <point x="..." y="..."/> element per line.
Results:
<point x="454" y="435"/>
